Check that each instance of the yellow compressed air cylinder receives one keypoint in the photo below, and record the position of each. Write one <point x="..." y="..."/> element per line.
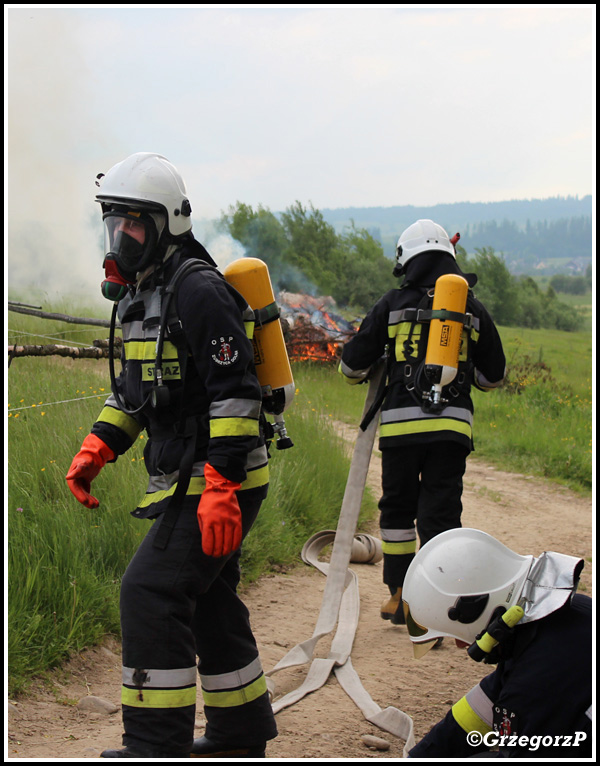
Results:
<point x="250" y="277"/>
<point x="445" y="334"/>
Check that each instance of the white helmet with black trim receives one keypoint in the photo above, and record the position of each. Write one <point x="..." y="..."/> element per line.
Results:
<point x="421" y="236"/>
<point x="463" y="578"/>
<point x="144" y="208"/>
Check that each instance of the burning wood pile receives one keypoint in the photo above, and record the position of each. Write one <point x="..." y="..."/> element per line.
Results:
<point x="312" y="329"/>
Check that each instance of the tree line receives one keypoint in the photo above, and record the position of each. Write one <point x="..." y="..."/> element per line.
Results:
<point x="537" y="241"/>
<point x="305" y="254"/>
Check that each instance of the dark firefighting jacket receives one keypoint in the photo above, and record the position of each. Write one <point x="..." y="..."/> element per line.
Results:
<point x="208" y="369"/>
<point x="391" y="329"/>
<point x="538" y="701"/>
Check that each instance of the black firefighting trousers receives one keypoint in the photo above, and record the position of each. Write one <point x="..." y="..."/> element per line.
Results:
<point x="422" y="493"/>
<point x="178" y="604"/>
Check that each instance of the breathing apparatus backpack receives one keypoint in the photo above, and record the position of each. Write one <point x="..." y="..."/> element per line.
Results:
<point x="432" y="349"/>
<point x="250" y="277"/>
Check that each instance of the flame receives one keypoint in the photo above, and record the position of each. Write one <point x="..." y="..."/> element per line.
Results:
<point x="313" y="334"/>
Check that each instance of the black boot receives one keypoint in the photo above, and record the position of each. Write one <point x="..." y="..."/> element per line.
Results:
<point x="205" y="748"/>
<point x="140" y="752"/>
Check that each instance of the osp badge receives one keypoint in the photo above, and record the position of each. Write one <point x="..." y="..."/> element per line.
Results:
<point x="224" y="352"/>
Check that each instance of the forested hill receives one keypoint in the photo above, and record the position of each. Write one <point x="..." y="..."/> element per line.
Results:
<point x="539" y="235"/>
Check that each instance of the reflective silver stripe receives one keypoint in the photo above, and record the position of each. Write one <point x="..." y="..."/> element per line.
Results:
<point x="136" y="330"/>
<point x="485" y="383"/>
<point x="590" y="712"/>
<point x="166" y="481"/>
<point x="234" y="679"/>
<point x="350" y="373"/>
<point x="397" y="316"/>
<point x="160" y="679"/>
<point x="257" y="457"/>
<point x="161" y="483"/>
<point x="232" y="408"/>
<point x="481" y="704"/>
<point x="416" y="413"/>
<point x="398" y="535"/>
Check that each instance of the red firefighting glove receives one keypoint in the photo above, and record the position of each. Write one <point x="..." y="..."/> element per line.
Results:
<point x="86" y="465"/>
<point x="219" y="515"/>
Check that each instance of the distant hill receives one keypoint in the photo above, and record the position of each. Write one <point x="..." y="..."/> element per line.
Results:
<point x="545" y="236"/>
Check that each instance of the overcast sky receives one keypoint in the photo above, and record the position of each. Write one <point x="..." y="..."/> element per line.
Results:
<point x="345" y="105"/>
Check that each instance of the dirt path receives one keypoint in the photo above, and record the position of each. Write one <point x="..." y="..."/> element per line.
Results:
<point x="526" y="514"/>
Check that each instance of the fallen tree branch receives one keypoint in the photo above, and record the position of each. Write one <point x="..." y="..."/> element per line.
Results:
<point x="86" y="352"/>
<point x="60" y="317"/>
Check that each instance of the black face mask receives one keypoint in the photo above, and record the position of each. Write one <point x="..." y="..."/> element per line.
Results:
<point x="128" y="255"/>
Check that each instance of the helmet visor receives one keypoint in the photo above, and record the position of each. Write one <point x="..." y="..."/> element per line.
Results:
<point x="130" y="237"/>
<point x="423" y="639"/>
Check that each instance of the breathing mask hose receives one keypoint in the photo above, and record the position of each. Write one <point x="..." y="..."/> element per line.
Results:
<point x="111" y="366"/>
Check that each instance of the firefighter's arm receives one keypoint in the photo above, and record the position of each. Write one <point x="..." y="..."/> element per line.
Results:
<point x="488" y="355"/>
<point x="362" y="352"/>
<point x="223" y="357"/>
<point x="461" y="733"/>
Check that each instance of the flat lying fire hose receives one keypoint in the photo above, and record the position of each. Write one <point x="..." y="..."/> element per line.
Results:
<point x="341" y="602"/>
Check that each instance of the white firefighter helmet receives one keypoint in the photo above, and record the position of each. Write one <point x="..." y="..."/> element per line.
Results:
<point x="421" y="236"/>
<point x="149" y="181"/>
<point x="144" y="207"/>
<point x="456" y="582"/>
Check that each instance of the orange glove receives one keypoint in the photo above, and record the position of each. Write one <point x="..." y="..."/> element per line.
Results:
<point x="86" y="465"/>
<point x="219" y="515"/>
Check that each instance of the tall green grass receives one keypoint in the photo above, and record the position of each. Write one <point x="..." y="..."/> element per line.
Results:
<point x="540" y="421"/>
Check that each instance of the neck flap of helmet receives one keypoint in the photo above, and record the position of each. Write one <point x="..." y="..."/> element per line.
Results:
<point x="551" y="582"/>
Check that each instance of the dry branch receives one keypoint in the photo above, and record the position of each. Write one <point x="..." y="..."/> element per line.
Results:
<point x="86" y="352"/>
<point x="60" y="317"/>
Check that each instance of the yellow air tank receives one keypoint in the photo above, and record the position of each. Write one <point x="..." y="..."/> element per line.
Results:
<point x="250" y="277"/>
<point x="445" y="333"/>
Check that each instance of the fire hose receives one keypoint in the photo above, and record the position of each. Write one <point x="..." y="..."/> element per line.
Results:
<point x="341" y="602"/>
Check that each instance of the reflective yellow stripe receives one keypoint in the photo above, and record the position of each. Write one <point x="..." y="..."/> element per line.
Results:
<point x="249" y="328"/>
<point x="399" y="549"/>
<point x="425" y="426"/>
<point x="236" y="697"/>
<point x="233" y="427"/>
<point x="158" y="698"/>
<point x="467" y="718"/>
<point x="120" y="420"/>
<point x="145" y="350"/>
<point x="256" y="478"/>
<point x="402" y="328"/>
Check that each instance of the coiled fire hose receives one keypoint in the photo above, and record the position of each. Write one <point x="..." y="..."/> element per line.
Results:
<point x="341" y="601"/>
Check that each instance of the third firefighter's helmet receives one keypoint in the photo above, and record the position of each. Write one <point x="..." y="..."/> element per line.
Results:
<point x="456" y="582"/>
<point x="420" y="237"/>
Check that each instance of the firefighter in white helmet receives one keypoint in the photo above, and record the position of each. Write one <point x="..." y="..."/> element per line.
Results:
<point x="522" y="613"/>
<point x="424" y="444"/>
<point x="188" y="380"/>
